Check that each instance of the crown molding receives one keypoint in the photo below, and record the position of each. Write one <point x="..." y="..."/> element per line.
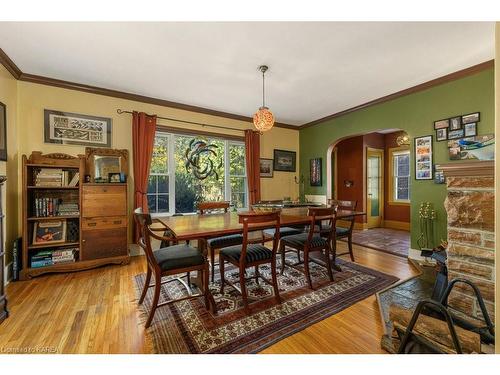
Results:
<point x="423" y="86"/>
<point x="33" y="78"/>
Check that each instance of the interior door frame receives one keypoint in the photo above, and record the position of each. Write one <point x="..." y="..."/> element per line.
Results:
<point x="375" y="152"/>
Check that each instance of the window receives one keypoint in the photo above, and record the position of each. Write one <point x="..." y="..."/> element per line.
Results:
<point x="401" y="175"/>
<point x="175" y="189"/>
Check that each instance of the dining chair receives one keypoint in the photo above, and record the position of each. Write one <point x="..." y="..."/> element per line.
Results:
<point x="312" y="241"/>
<point x="249" y="255"/>
<point x="342" y="232"/>
<point x="167" y="261"/>
<point x="217" y="243"/>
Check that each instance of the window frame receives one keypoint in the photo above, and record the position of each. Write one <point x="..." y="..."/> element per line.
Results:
<point x="171" y="169"/>
<point x="393" y="152"/>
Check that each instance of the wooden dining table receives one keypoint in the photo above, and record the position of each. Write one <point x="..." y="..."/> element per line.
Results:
<point x="203" y="227"/>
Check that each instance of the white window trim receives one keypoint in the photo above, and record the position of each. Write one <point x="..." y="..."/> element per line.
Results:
<point x="171" y="174"/>
<point x="394" y="154"/>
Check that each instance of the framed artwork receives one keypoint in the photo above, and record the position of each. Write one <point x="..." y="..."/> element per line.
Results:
<point x="45" y="232"/>
<point x="3" y="132"/>
<point x="442" y="134"/>
<point x="75" y="129"/>
<point x="441" y="124"/>
<point x="456" y="123"/>
<point x="266" y="167"/>
<point x="423" y="158"/>
<point x="455" y="134"/>
<point x="470" y="118"/>
<point x="315" y="172"/>
<point x="470" y="130"/>
<point x="284" y="161"/>
<point x="472" y="148"/>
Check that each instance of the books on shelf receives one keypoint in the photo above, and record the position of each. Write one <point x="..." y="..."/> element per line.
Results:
<point x="51" y="257"/>
<point x="55" y="177"/>
<point x="46" y="207"/>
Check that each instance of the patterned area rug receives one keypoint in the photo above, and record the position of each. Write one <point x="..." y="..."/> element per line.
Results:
<point x="187" y="327"/>
<point x="387" y="240"/>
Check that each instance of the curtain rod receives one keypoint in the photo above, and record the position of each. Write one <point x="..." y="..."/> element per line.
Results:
<point x="119" y="111"/>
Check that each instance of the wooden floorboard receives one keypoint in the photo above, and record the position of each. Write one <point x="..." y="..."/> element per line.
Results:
<point x="95" y="311"/>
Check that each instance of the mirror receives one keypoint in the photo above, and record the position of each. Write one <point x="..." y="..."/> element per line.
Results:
<point x="100" y="162"/>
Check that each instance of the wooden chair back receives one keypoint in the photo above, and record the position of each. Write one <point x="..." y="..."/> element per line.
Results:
<point x="322" y="214"/>
<point x="348" y="206"/>
<point x="145" y="223"/>
<point x="254" y="217"/>
<point x="212" y="207"/>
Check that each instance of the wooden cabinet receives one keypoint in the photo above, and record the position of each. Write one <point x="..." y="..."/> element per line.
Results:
<point x="95" y="226"/>
<point x="3" y="300"/>
<point x="104" y="221"/>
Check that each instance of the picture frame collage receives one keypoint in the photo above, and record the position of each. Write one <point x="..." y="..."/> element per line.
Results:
<point x="457" y="127"/>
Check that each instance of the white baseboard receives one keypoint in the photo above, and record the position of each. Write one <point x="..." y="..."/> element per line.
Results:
<point x="7" y="273"/>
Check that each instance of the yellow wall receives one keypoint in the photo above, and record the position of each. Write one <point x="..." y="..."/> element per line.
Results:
<point x="8" y="96"/>
<point x="497" y="177"/>
<point x="32" y="99"/>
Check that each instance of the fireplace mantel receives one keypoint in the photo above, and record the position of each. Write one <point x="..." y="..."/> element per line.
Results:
<point x="468" y="168"/>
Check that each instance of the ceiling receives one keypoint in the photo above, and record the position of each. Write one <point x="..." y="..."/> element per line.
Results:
<point x="316" y="68"/>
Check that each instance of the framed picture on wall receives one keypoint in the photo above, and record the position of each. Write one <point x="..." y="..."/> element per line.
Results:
<point x="470" y="118"/>
<point x="284" y="161"/>
<point x="456" y="123"/>
<point x="423" y="158"/>
<point x="266" y="167"/>
<point x="75" y="129"/>
<point x="470" y="130"/>
<point x="3" y="132"/>
<point x="441" y="134"/>
<point x="315" y="172"/>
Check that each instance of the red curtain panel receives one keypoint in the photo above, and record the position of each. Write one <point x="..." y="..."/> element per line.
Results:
<point x="143" y="138"/>
<point x="252" y="150"/>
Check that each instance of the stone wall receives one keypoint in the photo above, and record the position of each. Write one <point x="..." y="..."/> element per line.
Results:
<point x="471" y="239"/>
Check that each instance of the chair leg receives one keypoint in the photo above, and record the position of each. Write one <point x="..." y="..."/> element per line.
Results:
<point x="146" y="286"/>
<point x="156" y="297"/>
<point x="328" y="264"/>
<point x="257" y="275"/>
<point x="221" y="269"/>
<point x="244" y="291"/>
<point x="205" y="287"/>
<point x="212" y="262"/>
<point x="282" y="252"/>
<point x="306" y="268"/>
<point x="349" y="244"/>
<point x="275" y="281"/>
<point x="188" y="278"/>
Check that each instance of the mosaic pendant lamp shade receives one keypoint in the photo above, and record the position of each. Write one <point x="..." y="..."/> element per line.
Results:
<point x="263" y="118"/>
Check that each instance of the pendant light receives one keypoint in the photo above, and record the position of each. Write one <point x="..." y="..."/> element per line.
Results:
<point x="263" y="118"/>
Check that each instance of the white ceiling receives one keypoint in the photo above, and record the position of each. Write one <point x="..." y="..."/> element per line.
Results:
<point x="316" y="68"/>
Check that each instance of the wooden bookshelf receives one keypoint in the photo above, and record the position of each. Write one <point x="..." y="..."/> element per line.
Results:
<point x="54" y="196"/>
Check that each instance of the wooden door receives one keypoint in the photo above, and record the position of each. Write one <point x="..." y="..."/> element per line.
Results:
<point x="374" y="187"/>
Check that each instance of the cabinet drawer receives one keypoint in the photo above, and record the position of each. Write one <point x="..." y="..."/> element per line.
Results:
<point x="104" y="201"/>
<point x="96" y="223"/>
<point x="104" y="243"/>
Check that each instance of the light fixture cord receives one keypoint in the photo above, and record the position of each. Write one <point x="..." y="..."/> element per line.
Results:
<point x="263" y="90"/>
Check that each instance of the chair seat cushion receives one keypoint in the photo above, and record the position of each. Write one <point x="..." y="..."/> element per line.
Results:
<point x="299" y="240"/>
<point x="178" y="256"/>
<point x="339" y="230"/>
<point x="255" y="253"/>
<point x="225" y="241"/>
<point x="284" y="231"/>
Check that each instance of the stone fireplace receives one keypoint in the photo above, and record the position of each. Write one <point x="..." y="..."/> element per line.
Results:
<point x="470" y="207"/>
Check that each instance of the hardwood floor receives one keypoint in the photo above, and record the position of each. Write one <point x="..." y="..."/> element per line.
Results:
<point x="95" y="312"/>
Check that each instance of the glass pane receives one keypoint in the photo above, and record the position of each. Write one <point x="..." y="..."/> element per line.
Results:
<point x="189" y="190"/>
<point x="403" y="191"/>
<point x="238" y="184"/>
<point x="159" y="161"/>
<point x="403" y="168"/>
<point x="238" y="199"/>
<point x="162" y="184"/>
<point x="152" y="184"/>
<point x="374" y="185"/>
<point x="152" y="203"/>
<point x="237" y="160"/>
<point x="162" y="203"/>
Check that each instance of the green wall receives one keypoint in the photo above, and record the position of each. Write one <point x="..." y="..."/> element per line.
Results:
<point x="414" y="113"/>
